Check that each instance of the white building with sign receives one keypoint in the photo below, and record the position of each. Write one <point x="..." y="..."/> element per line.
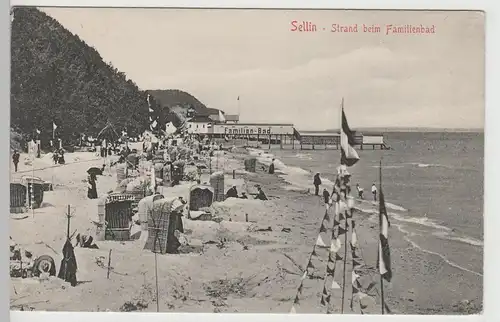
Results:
<point x="252" y="129"/>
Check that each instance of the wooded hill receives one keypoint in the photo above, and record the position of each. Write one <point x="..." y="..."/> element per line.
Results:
<point x="57" y="77"/>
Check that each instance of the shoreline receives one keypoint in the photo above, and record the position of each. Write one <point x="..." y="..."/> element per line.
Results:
<point x="248" y="252"/>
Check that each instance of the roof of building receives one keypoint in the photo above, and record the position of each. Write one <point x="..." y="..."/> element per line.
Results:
<point x="232" y="118"/>
<point x="200" y="119"/>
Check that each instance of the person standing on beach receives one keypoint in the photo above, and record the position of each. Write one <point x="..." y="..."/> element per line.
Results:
<point x="360" y="191"/>
<point x="271" y="167"/>
<point x="374" y="192"/>
<point x="317" y="183"/>
<point x="326" y="195"/>
<point x="15" y="159"/>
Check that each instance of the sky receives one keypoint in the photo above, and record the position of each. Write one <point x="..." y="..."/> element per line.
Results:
<point x="281" y="76"/>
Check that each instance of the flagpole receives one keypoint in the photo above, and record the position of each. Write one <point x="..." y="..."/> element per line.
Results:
<point x="341" y="176"/>
<point x="380" y="225"/>
<point x="239" y="111"/>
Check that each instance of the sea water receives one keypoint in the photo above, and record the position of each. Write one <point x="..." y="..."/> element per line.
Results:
<point x="432" y="182"/>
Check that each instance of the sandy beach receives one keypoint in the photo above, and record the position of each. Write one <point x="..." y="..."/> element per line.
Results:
<point x="246" y="267"/>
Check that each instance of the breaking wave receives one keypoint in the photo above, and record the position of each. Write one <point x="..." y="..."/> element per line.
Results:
<point x="299" y="179"/>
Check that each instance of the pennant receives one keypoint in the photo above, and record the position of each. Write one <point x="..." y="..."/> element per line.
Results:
<point x="370" y="286"/>
<point x="355" y="263"/>
<point x="154" y="124"/>
<point x="328" y="298"/>
<point x="336" y="223"/>
<point x="151" y="110"/>
<point x="350" y="202"/>
<point x="335" y="285"/>
<point x="341" y="231"/>
<point x="354" y="254"/>
<point x="354" y="278"/>
<point x="354" y="290"/>
<point x="354" y="239"/>
<point x="335" y="245"/>
<point x="304" y="276"/>
<point x="320" y="242"/>
<point x="314" y="252"/>
<point x="54" y="126"/>
<point x="38" y="131"/>
<point x="338" y="257"/>
<point x="341" y="216"/>
<point x="322" y="229"/>
<point x="296" y="300"/>
<point x="362" y="295"/>
<point x="310" y="265"/>
<point x="349" y="156"/>
<point x="292" y="311"/>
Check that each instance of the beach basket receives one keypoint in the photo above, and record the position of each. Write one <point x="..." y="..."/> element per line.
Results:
<point x="38" y="190"/>
<point x="145" y="207"/>
<point x="250" y="164"/>
<point x="178" y="170"/>
<point x="132" y="161"/>
<point x="166" y="175"/>
<point x="200" y="196"/>
<point x="117" y="215"/>
<point x="138" y="188"/>
<point x="122" y="186"/>
<point x="121" y="172"/>
<point x="158" y="227"/>
<point x="217" y="183"/>
<point x="17" y="197"/>
<point x="159" y="169"/>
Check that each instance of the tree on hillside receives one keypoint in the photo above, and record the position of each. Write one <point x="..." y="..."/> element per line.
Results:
<point x="56" y="77"/>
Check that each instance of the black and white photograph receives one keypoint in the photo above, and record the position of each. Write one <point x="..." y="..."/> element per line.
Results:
<point x="247" y="161"/>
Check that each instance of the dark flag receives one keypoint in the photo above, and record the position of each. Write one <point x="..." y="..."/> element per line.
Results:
<point x="349" y="156"/>
<point x="384" y="254"/>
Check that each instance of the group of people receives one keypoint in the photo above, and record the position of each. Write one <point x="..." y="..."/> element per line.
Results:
<point x="326" y="195"/>
<point x="233" y="193"/>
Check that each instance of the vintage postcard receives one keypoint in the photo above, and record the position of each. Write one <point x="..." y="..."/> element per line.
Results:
<point x="247" y="161"/>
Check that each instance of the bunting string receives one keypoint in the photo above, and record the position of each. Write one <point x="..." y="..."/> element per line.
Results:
<point x="310" y="266"/>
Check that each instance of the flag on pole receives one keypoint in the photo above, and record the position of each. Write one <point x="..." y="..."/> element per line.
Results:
<point x="384" y="255"/>
<point x="349" y="156"/>
<point x="38" y="131"/>
<point x="221" y="117"/>
<point x="54" y="126"/>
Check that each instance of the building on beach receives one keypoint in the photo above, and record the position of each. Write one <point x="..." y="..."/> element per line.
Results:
<point x="199" y="125"/>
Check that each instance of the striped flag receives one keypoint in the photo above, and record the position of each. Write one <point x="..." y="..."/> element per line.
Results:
<point x="349" y="156"/>
<point x="221" y="117"/>
<point x="384" y="255"/>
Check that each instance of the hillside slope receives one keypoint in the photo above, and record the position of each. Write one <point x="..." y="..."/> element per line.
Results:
<point x="175" y="104"/>
<point x="56" y="77"/>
